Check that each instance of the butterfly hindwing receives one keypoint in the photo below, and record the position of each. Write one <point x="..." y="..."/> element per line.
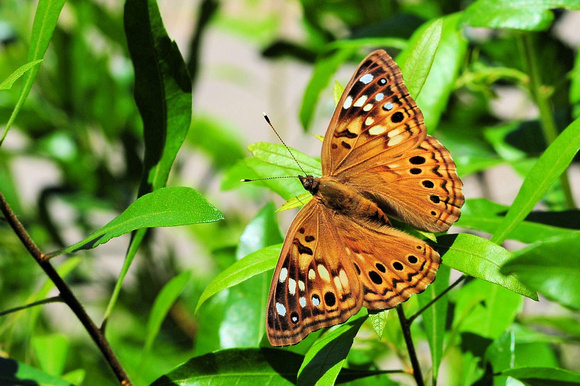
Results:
<point x="312" y="287"/>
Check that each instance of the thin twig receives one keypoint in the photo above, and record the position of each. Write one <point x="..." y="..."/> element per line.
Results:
<point x="53" y="299"/>
<point x="406" y="327"/>
<point x="65" y="292"/>
<point x="416" y="314"/>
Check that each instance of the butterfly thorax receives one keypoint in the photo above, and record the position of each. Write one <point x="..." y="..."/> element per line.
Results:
<point x="338" y="196"/>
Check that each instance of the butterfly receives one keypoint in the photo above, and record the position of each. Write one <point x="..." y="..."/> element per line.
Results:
<point x="341" y="251"/>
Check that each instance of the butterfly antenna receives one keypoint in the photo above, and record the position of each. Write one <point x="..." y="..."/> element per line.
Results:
<point x="267" y="178"/>
<point x="283" y="143"/>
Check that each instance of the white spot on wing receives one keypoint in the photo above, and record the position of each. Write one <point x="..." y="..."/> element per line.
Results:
<point x="281" y="309"/>
<point x="337" y="283"/>
<point x="366" y="79"/>
<point x="323" y="272"/>
<point x="343" y="278"/>
<point x="283" y="275"/>
<point x="360" y="101"/>
<point x="311" y="274"/>
<point x="315" y="301"/>
<point x="378" y="129"/>
<point x="368" y="107"/>
<point x="379" y="97"/>
<point x="395" y="141"/>
<point x="369" y="121"/>
<point x="301" y="285"/>
<point x="347" y="102"/>
<point x="302" y="302"/>
<point x="292" y="286"/>
<point x="388" y="106"/>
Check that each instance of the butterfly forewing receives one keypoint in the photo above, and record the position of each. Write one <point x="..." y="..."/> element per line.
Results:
<point x="312" y="286"/>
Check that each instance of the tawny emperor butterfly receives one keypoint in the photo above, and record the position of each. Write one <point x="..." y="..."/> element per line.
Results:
<point x="341" y="251"/>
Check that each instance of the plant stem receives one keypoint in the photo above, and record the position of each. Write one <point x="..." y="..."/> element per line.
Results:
<point x="65" y="292"/>
<point x="455" y="283"/>
<point x="406" y="327"/>
<point x="549" y="128"/>
<point x="54" y="299"/>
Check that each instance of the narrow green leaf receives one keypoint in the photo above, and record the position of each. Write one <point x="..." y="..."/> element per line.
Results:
<point x="550" y="267"/>
<point x="444" y="71"/>
<point x="544" y="173"/>
<point x="325" y="359"/>
<point x="51" y="351"/>
<point x="296" y="202"/>
<point x="246" y="366"/>
<point x="254" y="264"/>
<point x="45" y="18"/>
<point x="166" y="207"/>
<point x="543" y="375"/>
<point x="527" y="15"/>
<point x="7" y="83"/>
<point x="163" y="303"/>
<point x="324" y="69"/>
<point x="480" y="258"/>
<point x="420" y="56"/>
<point x="435" y="316"/>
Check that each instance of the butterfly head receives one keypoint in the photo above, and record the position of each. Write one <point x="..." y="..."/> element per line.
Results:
<point x="310" y="183"/>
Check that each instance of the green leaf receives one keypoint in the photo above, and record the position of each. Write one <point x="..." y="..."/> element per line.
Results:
<point x="543" y="376"/>
<point x="324" y="68"/>
<point x="51" y="351"/>
<point x="163" y="303"/>
<point x="444" y="70"/>
<point x="325" y="359"/>
<point x="419" y="56"/>
<point x="296" y="202"/>
<point x="246" y="366"/>
<point x="484" y="215"/>
<point x="166" y="207"/>
<point x="254" y="264"/>
<point x="480" y="258"/>
<point x="379" y="321"/>
<point x="19" y="373"/>
<point x="434" y="317"/>
<point x="7" y="83"/>
<point x="550" y="267"/>
<point x="279" y="155"/>
<point x="527" y="15"/>
<point x="551" y="164"/>
<point x="45" y="18"/>
<point x="162" y="90"/>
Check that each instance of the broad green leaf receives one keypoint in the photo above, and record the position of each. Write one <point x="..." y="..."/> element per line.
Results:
<point x="435" y="316"/>
<point x="19" y="373"/>
<point x="325" y="359"/>
<point x="250" y="366"/>
<point x="279" y="155"/>
<point x="527" y="15"/>
<point x="481" y="258"/>
<point x="324" y="68"/>
<point x="544" y="173"/>
<point x="7" y="83"/>
<point x="244" y="323"/>
<point x="484" y="215"/>
<point x="51" y="351"/>
<point x="45" y="18"/>
<point x="485" y="309"/>
<point x="419" y="57"/>
<point x="163" y="303"/>
<point x="550" y="267"/>
<point x="501" y="353"/>
<point x="254" y="264"/>
<point x="166" y="207"/>
<point x="162" y="90"/>
<point x="543" y="376"/>
<point x="444" y="70"/>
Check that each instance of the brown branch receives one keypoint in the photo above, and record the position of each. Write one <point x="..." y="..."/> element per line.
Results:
<point x="406" y="327"/>
<point x="65" y="292"/>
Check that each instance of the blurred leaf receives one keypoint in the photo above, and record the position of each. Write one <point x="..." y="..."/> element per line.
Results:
<point x="444" y="70"/>
<point x="296" y="202"/>
<point x="162" y="90"/>
<point x="550" y="267"/>
<point x="325" y="359"/>
<point x="419" y="56"/>
<point x="51" y="351"/>
<point x="434" y="317"/>
<point x="543" y="376"/>
<point x="324" y="68"/>
<point x="527" y="15"/>
<point x="564" y="324"/>
<point x="254" y="264"/>
<point x="7" y="83"/>
<point x="501" y="353"/>
<point x="163" y="303"/>
<point x="166" y="207"/>
<point x="484" y="215"/>
<point x="18" y="373"/>
<point x="480" y="258"/>
<point x="47" y="13"/>
<point x="545" y="172"/>
<point x="246" y="366"/>
<point x="279" y="155"/>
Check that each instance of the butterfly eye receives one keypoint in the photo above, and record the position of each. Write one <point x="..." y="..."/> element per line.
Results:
<point x="315" y="300"/>
<point x="294" y="317"/>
